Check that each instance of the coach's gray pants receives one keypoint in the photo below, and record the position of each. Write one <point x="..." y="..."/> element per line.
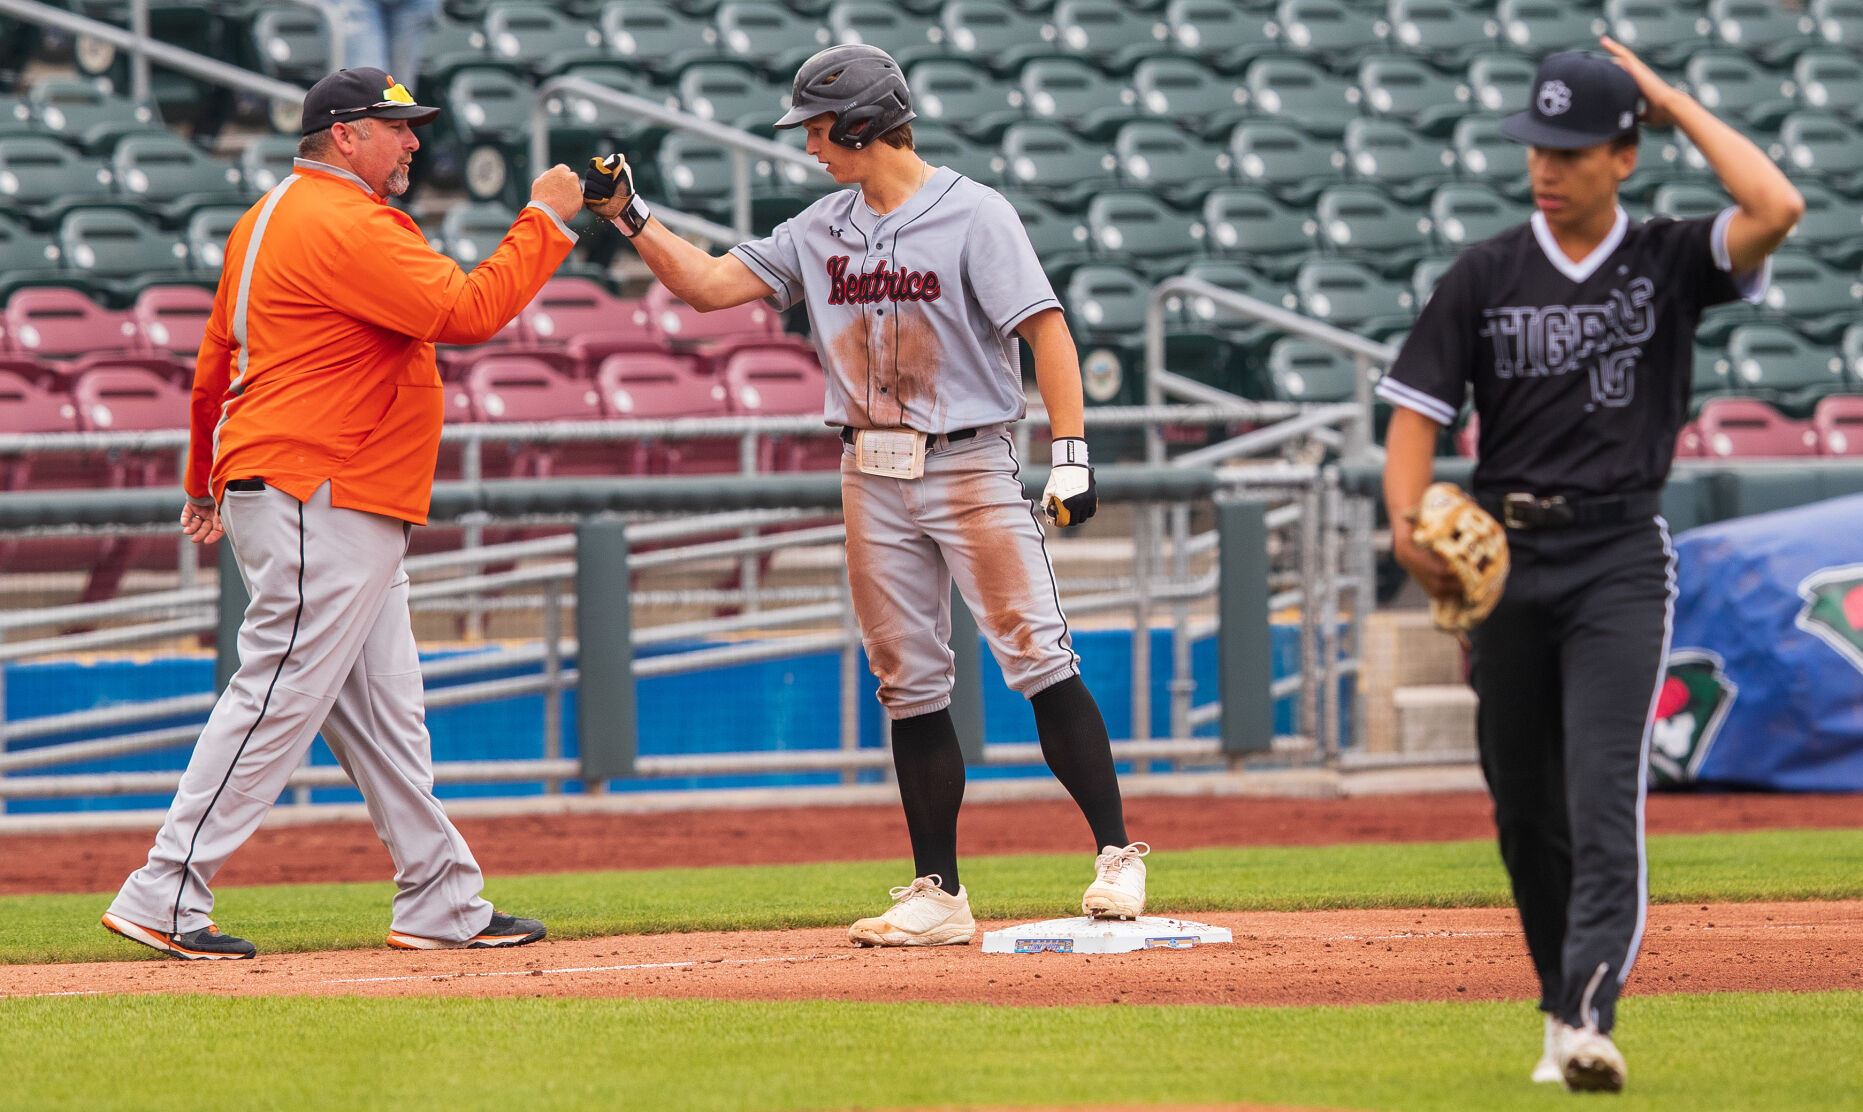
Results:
<point x="326" y="643"/>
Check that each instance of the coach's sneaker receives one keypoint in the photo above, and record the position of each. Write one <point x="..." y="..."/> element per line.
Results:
<point x="923" y="914"/>
<point x="206" y="944"/>
<point x="1548" y="1071"/>
<point x="1118" y="888"/>
<point x="503" y="930"/>
<point x="1590" y="1061"/>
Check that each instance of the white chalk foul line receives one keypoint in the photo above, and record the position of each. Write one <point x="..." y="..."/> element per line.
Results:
<point x="36" y="995"/>
<point x="585" y="969"/>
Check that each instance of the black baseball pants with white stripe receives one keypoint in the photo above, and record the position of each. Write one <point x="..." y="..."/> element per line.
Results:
<point x="1566" y="670"/>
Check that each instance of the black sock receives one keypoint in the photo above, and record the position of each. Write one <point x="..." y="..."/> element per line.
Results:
<point x="930" y="767"/>
<point x="1074" y="743"/>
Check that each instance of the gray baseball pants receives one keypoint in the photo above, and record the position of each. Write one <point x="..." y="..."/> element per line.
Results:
<point x="326" y="643"/>
<point x="966" y="520"/>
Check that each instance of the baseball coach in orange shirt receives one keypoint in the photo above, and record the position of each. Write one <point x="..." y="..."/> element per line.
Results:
<point x="314" y="432"/>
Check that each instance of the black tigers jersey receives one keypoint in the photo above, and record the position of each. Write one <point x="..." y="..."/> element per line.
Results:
<point x="1580" y="370"/>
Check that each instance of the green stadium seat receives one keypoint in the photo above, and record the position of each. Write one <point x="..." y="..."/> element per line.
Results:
<point x="655" y="37"/>
<point x="85" y="116"/>
<point x="205" y="236"/>
<point x="1832" y="227"/>
<point x="942" y="146"/>
<point x="1220" y="32"/>
<point x="1364" y="223"/>
<point x="1332" y="32"/>
<point x="1392" y="156"/>
<point x="1852" y="348"/>
<point x="1047" y="159"/>
<point x="1227" y="274"/>
<point x="1708" y="376"/>
<point x="1072" y="92"/>
<point x="1441" y="30"/>
<point x="470" y="233"/>
<point x="1828" y="80"/>
<point x="40" y="176"/>
<point x="579" y="125"/>
<point x="1156" y="155"/>
<point x="166" y="172"/>
<point x="1764" y="28"/>
<point x="1776" y="363"/>
<point x="1106" y="308"/>
<point x="965" y="97"/>
<point x="1350" y="295"/>
<point x="1304" y="371"/>
<point x="1401" y="87"/>
<point x="1687" y="200"/>
<point x="1820" y="144"/>
<point x="995" y="33"/>
<point x="1110" y="34"/>
<point x="1466" y="213"/>
<point x="119" y="249"/>
<point x="695" y="174"/>
<point x="485" y="130"/>
<point x="1252" y="224"/>
<point x="909" y="37"/>
<point x="1673" y="152"/>
<point x="1424" y="276"/>
<point x="1484" y="156"/>
<point x="1137" y="228"/>
<point x="16" y="117"/>
<point x="1299" y="92"/>
<point x="1540" y="27"/>
<point x="23" y="250"/>
<point x="1730" y="83"/>
<point x="1662" y="32"/>
<point x="729" y="91"/>
<point x="1189" y="94"/>
<point x="264" y="161"/>
<point x="450" y="43"/>
<point x="1839" y="22"/>
<point x="1818" y="299"/>
<point x="290" y="42"/>
<point x="541" y="38"/>
<point x="769" y="36"/>
<point x="1060" y="239"/>
<point x="1499" y="82"/>
<point x="1283" y="158"/>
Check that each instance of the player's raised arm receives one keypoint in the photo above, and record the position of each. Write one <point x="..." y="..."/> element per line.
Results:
<point x="1769" y="206"/>
<point x="698" y="278"/>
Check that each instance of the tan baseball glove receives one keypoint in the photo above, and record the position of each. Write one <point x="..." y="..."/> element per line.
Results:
<point x="1473" y="544"/>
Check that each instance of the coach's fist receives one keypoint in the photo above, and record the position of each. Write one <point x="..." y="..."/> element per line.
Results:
<point x="556" y="190"/>
<point x="1070" y="497"/>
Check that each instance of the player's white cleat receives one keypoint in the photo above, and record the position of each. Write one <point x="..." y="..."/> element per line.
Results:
<point x="1548" y="1070"/>
<point x="1590" y="1061"/>
<point x="1118" y="888"/>
<point x="922" y="914"/>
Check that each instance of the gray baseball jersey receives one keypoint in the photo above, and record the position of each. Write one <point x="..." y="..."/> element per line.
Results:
<point x="914" y="312"/>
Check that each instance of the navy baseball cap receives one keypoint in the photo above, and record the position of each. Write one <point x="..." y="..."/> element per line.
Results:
<point x="1579" y="99"/>
<point x="359" y="94"/>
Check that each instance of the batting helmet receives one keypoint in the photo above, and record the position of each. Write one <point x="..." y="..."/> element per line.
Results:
<point x="861" y="85"/>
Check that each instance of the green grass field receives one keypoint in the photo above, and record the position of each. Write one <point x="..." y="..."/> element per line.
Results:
<point x="1767" y="865"/>
<point x="1740" y="1053"/>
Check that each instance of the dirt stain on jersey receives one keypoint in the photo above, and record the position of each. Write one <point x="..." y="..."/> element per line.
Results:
<point x="852" y="361"/>
<point x="917" y="357"/>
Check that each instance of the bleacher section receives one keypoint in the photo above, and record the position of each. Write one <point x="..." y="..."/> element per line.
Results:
<point x="1330" y="156"/>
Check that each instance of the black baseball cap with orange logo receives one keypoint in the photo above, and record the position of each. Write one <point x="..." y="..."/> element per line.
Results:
<point x="359" y="94"/>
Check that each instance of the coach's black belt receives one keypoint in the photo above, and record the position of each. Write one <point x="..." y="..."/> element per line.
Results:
<point x="1519" y="510"/>
<point x="245" y="484"/>
<point x="847" y="434"/>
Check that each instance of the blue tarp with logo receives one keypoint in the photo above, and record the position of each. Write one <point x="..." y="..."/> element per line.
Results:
<point x="1765" y="680"/>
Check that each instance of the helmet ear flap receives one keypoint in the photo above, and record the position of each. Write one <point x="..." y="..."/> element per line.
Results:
<point x="851" y="128"/>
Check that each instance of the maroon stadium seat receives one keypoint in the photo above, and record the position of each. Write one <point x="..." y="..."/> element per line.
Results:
<point x="569" y="307"/>
<point x="659" y="385"/>
<point x="1838" y="424"/>
<point x="172" y="319"/>
<point x="27" y="407"/>
<point x="520" y="388"/>
<point x="680" y="325"/>
<point x="1746" y="427"/>
<point x="788" y="380"/>
<point x="59" y="323"/>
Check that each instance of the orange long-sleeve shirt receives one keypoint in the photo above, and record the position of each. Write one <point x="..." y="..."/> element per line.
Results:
<point x="342" y="309"/>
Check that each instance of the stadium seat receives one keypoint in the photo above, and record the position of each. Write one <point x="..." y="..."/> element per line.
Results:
<point x="1156" y="155"/>
<point x="908" y="36"/>
<point x="1443" y="31"/>
<point x="1111" y="34"/>
<point x="1821" y="145"/>
<point x="1486" y="157"/>
<point x="1220" y="32"/>
<point x="1764" y="28"/>
<point x="1301" y="93"/>
<point x="1106" y="307"/>
<point x="1708" y="375"/>
<point x="485" y="130"/>
<point x="470" y="233"/>
<point x="129" y="398"/>
<point x="450" y="44"/>
<point x="1462" y="214"/>
<point x="995" y="32"/>
<point x="168" y="174"/>
<point x="1137" y="228"/>
<point x="1774" y="362"/>
<point x="1819" y="299"/>
<point x="569" y="307"/>
<point x="696" y="175"/>
<point x="1283" y="159"/>
<point x="1333" y="32"/>
<point x="964" y="97"/>
<point x="205" y="236"/>
<point x="264" y="161"/>
<point x="1060" y="239"/>
<point x="1424" y="275"/>
<point x="28" y="407"/>
<point x="1072" y="92"/>
<point x="1252" y="224"/>
<point x="730" y="91"/>
<point x="1828" y="80"/>
<point x="1396" y="158"/>
<point x="1304" y="371"/>
<point x="1660" y="31"/>
<point x="1687" y="200"/>
<point x="1730" y="83"/>
<point x="941" y="146"/>
<point x="788" y="380"/>
<point x="1839" y="22"/>
<point x="1500" y="82"/>
<point x="630" y="329"/>
<point x="1740" y="428"/>
<point x="541" y="38"/>
<point x="1540" y="27"/>
<point x="1831" y="228"/>
<point x="1189" y="94"/>
<point x="1364" y="223"/>
<point x="517" y="388"/>
<point x="1349" y="295"/>
<point x="84" y="115"/>
<point x="1047" y="159"/>
<point x="40" y="176"/>
<point x="1401" y="87"/>
<point x="655" y="37"/>
<point x="1837" y="422"/>
<point x="60" y="323"/>
<point x="171" y="320"/>
<point x="23" y="250"/>
<point x="289" y="42"/>
<point x="683" y="327"/>
<point x="649" y="385"/>
<point x="1205" y="313"/>
<point x="769" y="36"/>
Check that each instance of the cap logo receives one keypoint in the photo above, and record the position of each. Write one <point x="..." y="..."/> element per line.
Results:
<point x="397" y="92"/>
<point x="1625" y="120"/>
<point x="1554" y="98"/>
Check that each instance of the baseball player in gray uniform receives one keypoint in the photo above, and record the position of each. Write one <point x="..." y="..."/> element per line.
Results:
<point x="918" y="281"/>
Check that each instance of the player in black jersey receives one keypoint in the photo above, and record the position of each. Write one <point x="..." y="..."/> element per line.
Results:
<point x="1575" y="334"/>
